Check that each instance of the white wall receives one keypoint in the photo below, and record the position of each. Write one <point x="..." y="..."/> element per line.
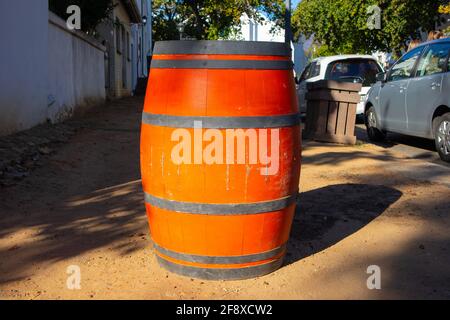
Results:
<point x="23" y="64"/>
<point x="46" y="71"/>
<point x="252" y="31"/>
<point x="76" y="70"/>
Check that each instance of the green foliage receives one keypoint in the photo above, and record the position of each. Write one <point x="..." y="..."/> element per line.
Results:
<point x="341" y="25"/>
<point x="445" y="9"/>
<point x="92" y="11"/>
<point x="208" y="19"/>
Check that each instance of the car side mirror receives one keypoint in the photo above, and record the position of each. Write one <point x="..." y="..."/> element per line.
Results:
<point x="382" y="76"/>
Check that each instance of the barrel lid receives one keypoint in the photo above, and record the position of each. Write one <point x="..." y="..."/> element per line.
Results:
<point x="258" y="48"/>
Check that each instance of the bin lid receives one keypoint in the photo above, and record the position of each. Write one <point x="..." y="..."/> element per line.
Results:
<point x="335" y="85"/>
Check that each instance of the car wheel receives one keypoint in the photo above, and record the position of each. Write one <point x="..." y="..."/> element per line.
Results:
<point x="441" y="128"/>
<point x="371" y="120"/>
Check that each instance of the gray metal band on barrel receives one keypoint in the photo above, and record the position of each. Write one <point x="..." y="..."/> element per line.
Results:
<point x="221" y="209"/>
<point x="275" y="121"/>
<point x="223" y="64"/>
<point x="221" y="260"/>
<point x="220" y="273"/>
<point x="259" y="48"/>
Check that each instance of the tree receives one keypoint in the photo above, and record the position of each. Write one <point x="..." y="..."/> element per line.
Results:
<point x="93" y="12"/>
<point x="208" y="19"/>
<point x="445" y="9"/>
<point x="341" y="26"/>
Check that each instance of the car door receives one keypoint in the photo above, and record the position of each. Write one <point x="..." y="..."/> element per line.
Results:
<point x="425" y="88"/>
<point x="393" y="92"/>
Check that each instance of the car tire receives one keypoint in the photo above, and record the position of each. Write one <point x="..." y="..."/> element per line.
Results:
<point x="371" y="121"/>
<point x="441" y="131"/>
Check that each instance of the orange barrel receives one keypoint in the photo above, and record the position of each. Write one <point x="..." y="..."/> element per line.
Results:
<point x="220" y="156"/>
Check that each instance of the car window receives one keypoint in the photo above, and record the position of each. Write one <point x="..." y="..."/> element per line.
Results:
<point x="311" y="70"/>
<point x="434" y="60"/>
<point x="405" y="66"/>
<point x="315" y="70"/>
<point x="354" y="70"/>
<point x="305" y="73"/>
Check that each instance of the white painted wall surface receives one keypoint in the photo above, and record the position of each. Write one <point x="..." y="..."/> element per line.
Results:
<point x="46" y="71"/>
<point x="252" y="31"/>
<point x="76" y="71"/>
<point x="23" y="64"/>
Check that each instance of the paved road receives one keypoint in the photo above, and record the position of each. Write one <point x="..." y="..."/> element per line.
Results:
<point x="412" y="147"/>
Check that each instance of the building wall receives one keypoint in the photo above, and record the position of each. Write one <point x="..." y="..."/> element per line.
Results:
<point x="76" y="76"/>
<point x="147" y="44"/>
<point x="23" y="64"/>
<point x="120" y="90"/>
<point x="46" y="71"/>
<point x="142" y="41"/>
<point x="106" y="37"/>
<point x="252" y="31"/>
<point x="115" y="51"/>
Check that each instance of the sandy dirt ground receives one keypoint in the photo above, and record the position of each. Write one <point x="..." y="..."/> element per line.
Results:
<point x="84" y="207"/>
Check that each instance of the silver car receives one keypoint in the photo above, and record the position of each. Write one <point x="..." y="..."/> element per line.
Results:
<point x="413" y="97"/>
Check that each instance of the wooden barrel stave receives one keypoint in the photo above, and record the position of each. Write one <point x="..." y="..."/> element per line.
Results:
<point x="212" y="235"/>
<point x="242" y="182"/>
<point x="202" y="92"/>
